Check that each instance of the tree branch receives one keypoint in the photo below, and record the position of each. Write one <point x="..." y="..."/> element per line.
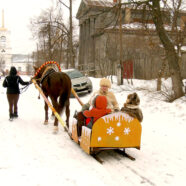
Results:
<point x="64" y="4"/>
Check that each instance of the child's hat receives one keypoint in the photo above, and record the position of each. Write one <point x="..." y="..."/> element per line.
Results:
<point x="105" y="82"/>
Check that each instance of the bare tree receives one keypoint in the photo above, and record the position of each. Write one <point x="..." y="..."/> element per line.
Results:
<point x="172" y="56"/>
<point x="160" y="16"/>
<point x="70" y="34"/>
<point x="51" y="33"/>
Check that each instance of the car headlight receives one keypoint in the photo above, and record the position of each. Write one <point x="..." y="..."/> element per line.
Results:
<point x="89" y="82"/>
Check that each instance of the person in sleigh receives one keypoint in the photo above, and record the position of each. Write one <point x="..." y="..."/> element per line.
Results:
<point x="99" y="109"/>
<point x="131" y="106"/>
<point x="112" y="103"/>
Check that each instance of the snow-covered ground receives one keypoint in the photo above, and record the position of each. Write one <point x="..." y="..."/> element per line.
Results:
<point x="31" y="155"/>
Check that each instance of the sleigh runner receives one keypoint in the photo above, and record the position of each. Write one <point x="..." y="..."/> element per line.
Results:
<point x="114" y="131"/>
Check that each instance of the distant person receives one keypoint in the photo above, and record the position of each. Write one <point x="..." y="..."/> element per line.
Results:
<point x="112" y="103"/>
<point x="11" y="82"/>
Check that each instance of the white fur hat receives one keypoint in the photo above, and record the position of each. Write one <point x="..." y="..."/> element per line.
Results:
<point x="105" y="82"/>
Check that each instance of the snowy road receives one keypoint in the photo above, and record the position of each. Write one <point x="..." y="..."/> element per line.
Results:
<point x="30" y="155"/>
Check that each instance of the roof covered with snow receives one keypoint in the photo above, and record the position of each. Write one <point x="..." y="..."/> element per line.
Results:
<point x="20" y="58"/>
<point x="98" y="3"/>
<point x="139" y="26"/>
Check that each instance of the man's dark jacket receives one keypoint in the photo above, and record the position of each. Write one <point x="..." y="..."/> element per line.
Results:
<point x="12" y="82"/>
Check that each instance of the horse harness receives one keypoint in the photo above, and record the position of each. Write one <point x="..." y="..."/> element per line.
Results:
<point x="49" y="70"/>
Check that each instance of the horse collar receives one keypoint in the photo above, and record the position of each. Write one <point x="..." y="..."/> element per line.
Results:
<point x="46" y="74"/>
<point x="47" y="63"/>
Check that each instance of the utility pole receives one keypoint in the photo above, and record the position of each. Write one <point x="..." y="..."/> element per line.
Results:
<point x="71" y="45"/>
<point x="120" y="41"/>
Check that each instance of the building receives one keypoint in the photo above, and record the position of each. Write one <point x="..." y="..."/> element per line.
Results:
<point x="23" y="63"/>
<point x="99" y="41"/>
<point x="5" y="47"/>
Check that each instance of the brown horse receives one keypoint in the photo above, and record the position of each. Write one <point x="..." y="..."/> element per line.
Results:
<point x="56" y="85"/>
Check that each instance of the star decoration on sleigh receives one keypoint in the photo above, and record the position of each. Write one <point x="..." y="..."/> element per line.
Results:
<point x="110" y="130"/>
<point x="126" y="131"/>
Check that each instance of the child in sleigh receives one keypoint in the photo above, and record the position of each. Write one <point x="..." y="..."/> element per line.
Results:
<point x="88" y="117"/>
<point x="99" y="110"/>
<point x="131" y="106"/>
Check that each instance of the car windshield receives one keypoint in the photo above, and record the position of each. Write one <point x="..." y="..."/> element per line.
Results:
<point x="74" y="74"/>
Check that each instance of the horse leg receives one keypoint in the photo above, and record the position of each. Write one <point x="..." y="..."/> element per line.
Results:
<point x="64" y="102"/>
<point x="55" y="105"/>
<point x="46" y="114"/>
<point x="67" y="111"/>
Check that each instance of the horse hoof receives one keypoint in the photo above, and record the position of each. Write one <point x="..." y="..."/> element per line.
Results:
<point x="55" y="131"/>
<point x="45" y="122"/>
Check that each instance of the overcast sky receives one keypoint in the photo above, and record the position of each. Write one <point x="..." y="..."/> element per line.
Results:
<point x="17" y="14"/>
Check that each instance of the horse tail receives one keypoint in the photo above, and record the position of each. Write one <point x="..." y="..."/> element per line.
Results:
<point x="64" y="99"/>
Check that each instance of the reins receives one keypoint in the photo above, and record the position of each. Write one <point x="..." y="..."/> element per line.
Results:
<point x="24" y="88"/>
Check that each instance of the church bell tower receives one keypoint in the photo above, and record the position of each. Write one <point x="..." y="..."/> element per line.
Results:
<point x="5" y="47"/>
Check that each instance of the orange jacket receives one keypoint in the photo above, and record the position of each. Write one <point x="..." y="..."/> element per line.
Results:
<point x="99" y="110"/>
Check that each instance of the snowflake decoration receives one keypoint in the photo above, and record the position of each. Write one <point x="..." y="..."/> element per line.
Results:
<point x="110" y="130"/>
<point x="99" y="138"/>
<point x="117" y="138"/>
<point x="118" y="124"/>
<point x="126" y="131"/>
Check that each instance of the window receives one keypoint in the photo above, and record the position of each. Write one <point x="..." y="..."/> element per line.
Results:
<point x="74" y="74"/>
<point x="3" y="41"/>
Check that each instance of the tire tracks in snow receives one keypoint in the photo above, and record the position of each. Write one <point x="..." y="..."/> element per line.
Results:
<point x="112" y="159"/>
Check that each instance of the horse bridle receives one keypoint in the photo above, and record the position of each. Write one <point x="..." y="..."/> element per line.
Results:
<point x="46" y="73"/>
<point x="49" y="70"/>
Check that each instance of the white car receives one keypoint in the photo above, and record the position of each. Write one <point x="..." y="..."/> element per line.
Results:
<point x="80" y="83"/>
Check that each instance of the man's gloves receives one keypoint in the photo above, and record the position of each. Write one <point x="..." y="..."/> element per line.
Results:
<point x="85" y="107"/>
<point x="30" y="82"/>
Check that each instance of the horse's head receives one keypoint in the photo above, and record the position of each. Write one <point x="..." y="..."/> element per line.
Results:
<point x="38" y="71"/>
<point x="44" y="70"/>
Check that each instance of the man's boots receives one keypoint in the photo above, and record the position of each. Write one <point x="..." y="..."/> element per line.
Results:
<point x="11" y="117"/>
<point x="15" y="115"/>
